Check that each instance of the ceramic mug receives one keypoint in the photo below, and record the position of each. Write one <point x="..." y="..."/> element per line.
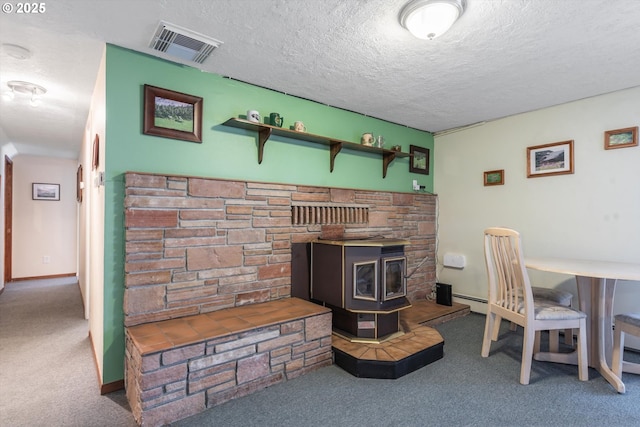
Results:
<point x="367" y="139"/>
<point x="253" y="116"/>
<point x="276" y="119"/>
<point x="299" y="127"/>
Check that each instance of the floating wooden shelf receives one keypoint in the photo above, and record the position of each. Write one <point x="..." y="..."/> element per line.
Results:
<point x="335" y="145"/>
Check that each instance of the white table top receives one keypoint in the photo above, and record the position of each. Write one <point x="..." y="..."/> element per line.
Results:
<point x="586" y="268"/>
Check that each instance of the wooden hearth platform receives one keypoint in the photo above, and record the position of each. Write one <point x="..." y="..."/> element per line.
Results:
<point x="428" y="313"/>
<point x="417" y="347"/>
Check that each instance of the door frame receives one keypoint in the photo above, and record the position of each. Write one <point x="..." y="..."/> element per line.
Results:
<point x="8" y="217"/>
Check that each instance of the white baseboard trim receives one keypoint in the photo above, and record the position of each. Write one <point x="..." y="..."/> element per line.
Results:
<point x="477" y="305"/>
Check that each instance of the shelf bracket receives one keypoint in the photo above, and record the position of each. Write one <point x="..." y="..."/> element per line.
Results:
<point x="336" y="146"/>
<point x="263" y="136"/>
<point x="387" y="158"/>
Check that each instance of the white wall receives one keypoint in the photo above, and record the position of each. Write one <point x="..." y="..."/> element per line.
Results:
<point x="43" y="228"/>
<point x="591" y="214"/>
<point x="92" y="218"/>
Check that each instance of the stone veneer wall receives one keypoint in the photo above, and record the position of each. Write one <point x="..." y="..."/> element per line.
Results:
<point x="196" y="245"/>
<point x="167" y="385"/>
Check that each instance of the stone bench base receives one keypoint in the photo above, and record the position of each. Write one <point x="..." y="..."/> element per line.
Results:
<point x="177" y="368"/>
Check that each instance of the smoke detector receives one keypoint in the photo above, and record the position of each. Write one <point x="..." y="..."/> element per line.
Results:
<point x="182" y="43"/>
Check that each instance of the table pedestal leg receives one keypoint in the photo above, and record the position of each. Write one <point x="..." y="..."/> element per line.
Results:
<point x="595" y="298"/>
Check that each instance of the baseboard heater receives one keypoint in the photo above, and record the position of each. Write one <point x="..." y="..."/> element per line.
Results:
<point x="470" y="298"/>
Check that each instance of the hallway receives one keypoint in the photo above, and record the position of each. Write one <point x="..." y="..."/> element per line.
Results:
<point x="47" y="372"/>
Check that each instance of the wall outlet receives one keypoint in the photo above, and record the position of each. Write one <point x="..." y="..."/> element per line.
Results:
<point x="416" y="187"/>
<point x="46" y="259"/>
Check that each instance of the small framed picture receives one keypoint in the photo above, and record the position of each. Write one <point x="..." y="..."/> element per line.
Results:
<point x="79" y="184"/>
<point x="495" y="177"/>
<point x="419" y="160"/>
<point x="172" y="114"/>
<point x="621" y="138"/>
<point x="41" y="191"/>
<point x="95" y="160"/>
<point x="550" y="159"/>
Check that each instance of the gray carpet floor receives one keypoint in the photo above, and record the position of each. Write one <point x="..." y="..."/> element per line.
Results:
<point x="48" y="375"/>
<point x="48" y="378"/>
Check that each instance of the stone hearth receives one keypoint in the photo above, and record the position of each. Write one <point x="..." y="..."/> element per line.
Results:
<point x="417" y="346"/>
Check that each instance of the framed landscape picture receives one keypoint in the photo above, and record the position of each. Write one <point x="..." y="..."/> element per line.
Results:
<point x="419" y="162"/>
<point x="495" y="177"/>
<point x="42" y="191"/>
<point x="550" y="159"/>
<point x="172" y="114"/>
<point x="621" y="138"/>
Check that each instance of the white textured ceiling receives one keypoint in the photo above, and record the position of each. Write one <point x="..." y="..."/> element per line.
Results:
<point x="501" y="58"/>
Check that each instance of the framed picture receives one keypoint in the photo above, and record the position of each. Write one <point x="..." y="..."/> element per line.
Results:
<point x="79" y="184"/>
<point x="172" y="114"/>
<point x="495" y="177"/>
<point x="621" y="138"/>
<point x="95" y="160"/>
<point x="550" y="159"/>
<point x="42" y="191"/>
<point x="419" y="160"/>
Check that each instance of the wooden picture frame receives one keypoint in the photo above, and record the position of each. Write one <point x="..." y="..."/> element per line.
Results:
<point x="621" y="138"/>
<point x="79" y="184"/>
<point x="172" y="114"/>
<point x="494" y="177"/>
<point x="95" y="155"/>
<point x="45" y="191"/>
<point x="550" y="159"/>
<point x="419" y="162"/>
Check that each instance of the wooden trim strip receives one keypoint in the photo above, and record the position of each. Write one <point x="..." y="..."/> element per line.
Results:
<point x="51" y="276"/>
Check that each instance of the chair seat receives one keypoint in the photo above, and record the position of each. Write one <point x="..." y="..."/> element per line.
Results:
<point x="554" y="295"/>
<point x="549" y="311"/>
<point x="630" y="318"/>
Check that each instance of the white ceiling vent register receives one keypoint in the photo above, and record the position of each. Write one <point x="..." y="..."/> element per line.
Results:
<point x="182" y="43"/>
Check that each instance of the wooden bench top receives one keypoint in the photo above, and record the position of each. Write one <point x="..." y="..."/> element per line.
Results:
<point x="167" y="334"/>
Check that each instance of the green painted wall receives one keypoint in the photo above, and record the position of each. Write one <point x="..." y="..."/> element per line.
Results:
<point x="225" y="153"/>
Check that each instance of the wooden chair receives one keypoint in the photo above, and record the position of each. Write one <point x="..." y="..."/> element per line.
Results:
<point x="511" y="298"/>
<point x="624" y="324"/>
<point x="554" y="296"/>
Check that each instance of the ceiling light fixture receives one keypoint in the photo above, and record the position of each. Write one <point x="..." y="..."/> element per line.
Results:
<point x="9" y="95"/>
<point x="26" y="88"/>
<point x="16" y="52"/>
<point x="35" y="100"/>
<point x="428" y="19"/>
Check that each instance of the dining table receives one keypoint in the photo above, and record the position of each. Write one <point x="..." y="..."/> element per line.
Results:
<point x="596" y="282"/>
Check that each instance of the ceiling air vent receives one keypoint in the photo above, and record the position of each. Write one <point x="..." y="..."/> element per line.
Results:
<point x="183" y="43"/>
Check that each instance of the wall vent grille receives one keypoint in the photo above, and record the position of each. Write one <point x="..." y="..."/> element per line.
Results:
<point x="323" y="213"/>
<point x="182" y="43"/>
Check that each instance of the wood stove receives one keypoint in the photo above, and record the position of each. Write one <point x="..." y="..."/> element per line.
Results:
<point x="364" y="283"/>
